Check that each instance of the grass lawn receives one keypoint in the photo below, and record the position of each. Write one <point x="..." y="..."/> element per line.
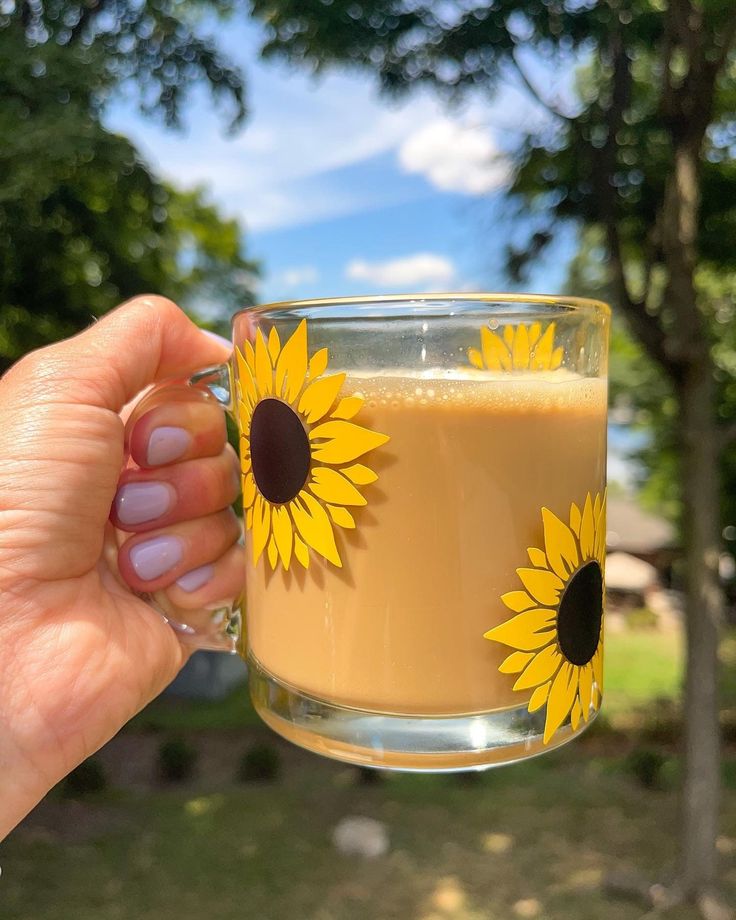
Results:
<point x="639" y="667"/>
<point x="536" y="840"/>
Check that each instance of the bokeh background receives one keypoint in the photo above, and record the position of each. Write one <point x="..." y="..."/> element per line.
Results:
<point x="225" y="153"/>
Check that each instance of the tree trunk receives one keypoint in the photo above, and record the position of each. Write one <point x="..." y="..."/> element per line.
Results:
<point x="701" y="513"/>
<point x="688" y="345"/>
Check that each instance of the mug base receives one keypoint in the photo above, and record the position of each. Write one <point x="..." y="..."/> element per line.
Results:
<point x="415" y="744"/>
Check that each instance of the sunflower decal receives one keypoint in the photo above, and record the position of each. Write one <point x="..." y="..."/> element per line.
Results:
<point x="557" y="632"/>
<point x="519" y="348"/>
<point x="298" y="449"/>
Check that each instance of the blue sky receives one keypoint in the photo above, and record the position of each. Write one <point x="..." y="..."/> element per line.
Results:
<point x="342" y="191"/>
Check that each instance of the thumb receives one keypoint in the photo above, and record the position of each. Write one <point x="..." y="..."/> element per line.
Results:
<point x="145" y="340"/>
<point x="61" y="440"/>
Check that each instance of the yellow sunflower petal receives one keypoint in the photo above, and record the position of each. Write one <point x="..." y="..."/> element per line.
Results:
<point x="520" y="353"/>
<point x="333" y="487"/>
<point x="527" y="631"/>
<point x="585" y="691"/>
<point x="539" y="697"/>
<point x="561" y="697"/>
<point x="318" y="363"/>
<point x="301" y="552"/>
<point x="319" y="396"/>
<point x="283" y="533"/>
<point x="274" y="345"/>
<point x="314" y="527"/>
<point x="556" y="360"/>
<point x="542" y="584"/>
<point x="359" y="474"/>
<point x="245" y="411"/>
<point x="597" y="664"/>
<point x="575" y="714"/>
<point x="509" y="333"/>
<point x="341" y="516"/>
<point x="245" y="377"/>
<point x="535" y="330"/>
<point x="348" y="407"/>
<point x="599" y="541"/>
<point x="475" y="358"/>
<point x="245" y="461"/>
<point x="518" y="601"/>
<point x="587" y="530"/>
<point x="341" y="442"/>
<point x="575" y="519"/>
<point x="542" y="668"/>
<point x="264" y="371"/>
<point x="537" y="557"/>
<point x="249" y="518"/>
<point x="495" y="354"/>
<point x="543" y="349"/>
<point x="273" y="553"/>
<point x="516" y="662"/>
<point x="560" y="545"/>
<point x="261" y="526"/>
<point x="291" y="367"/>
<point x="249" y="490"/>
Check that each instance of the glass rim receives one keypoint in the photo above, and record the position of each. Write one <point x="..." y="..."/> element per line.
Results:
<point x="574" y="304"/>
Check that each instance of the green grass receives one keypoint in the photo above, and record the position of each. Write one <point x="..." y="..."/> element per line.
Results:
<point x="639" y="667"/>
<point x="547" y="832"/>
<point x="538" y="837"/>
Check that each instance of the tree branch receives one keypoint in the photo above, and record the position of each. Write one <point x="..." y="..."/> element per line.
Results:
<point x="534" y="92"/>
<point x="644" y="325"/>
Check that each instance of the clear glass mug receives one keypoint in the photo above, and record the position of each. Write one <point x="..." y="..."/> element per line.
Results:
<point x="424" y="503"/>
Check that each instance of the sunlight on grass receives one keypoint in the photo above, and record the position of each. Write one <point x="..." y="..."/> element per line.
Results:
<point x="641" y="666"/>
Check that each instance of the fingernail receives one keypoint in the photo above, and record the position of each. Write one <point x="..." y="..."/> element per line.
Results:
<point x="155" y="557"/>
<point x="138" y="502"/>
<point x="221" y="340"/>
<point x="194" y="580"/>
<point x="167" y="443"/>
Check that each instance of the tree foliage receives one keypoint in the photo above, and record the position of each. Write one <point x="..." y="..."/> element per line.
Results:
<point x="642" y="151"/>
<point x="84" y="223"/>
<point x="155" y="45"/>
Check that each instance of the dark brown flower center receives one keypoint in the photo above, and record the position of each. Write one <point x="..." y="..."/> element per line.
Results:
<point x="279" y="450"/>
<point x="579" y="614"/>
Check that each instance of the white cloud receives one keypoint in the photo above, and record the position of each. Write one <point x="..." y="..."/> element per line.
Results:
<point x="455" y="157"/>
<point x="283" y="169"/>
<point x="296" y="275"/>
<point x="424" y="270"/>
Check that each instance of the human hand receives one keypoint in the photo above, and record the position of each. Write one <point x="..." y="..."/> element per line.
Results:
<point x="79" y="652"/>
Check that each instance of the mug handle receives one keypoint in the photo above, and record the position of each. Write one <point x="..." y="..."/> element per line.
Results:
<point x="218" y="629"/>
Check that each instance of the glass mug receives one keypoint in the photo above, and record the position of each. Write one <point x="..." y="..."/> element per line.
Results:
<point x="424" y="507"/>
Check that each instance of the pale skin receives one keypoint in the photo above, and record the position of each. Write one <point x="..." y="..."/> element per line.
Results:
<point x="80" y="653"/>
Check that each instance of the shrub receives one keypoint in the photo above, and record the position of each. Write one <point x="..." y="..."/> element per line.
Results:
<point x="645" y="765"/>
<point x="663" y="723"/>
<point x="176" y="760"/>
<point x="259" y="764"/>
<point x="89" y="776"/>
